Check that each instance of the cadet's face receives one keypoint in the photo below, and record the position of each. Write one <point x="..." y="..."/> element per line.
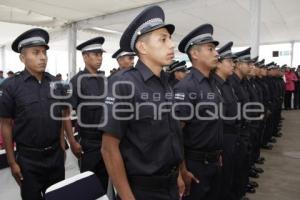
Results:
<point x="245" y="69"/>
<point x="160" y="47"/>
<point x="227" y="66"/>
<point x="208" y="55"/>
<point x="34" y="58"/>
<point x="126" y="61"/>
<point x="93" y="59"/>
<point x="252" y="69"/>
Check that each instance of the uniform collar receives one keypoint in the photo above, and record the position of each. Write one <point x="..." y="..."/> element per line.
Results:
<point x="144" y="70"/>
<point x="218" y="79"/>
<point x="27" y="75"/>
<point x="197" y="74"/>
<point x="236" y="77"/>
<point x="86" y="71"/>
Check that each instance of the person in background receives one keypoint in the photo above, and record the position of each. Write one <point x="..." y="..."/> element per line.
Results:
<point x="1" y="77"/>
<point x="290" y="79"/>
<point x="58" y="77"/>
<point x="10" y="74"/>
<point x="178" y="71"/>
<point x="25" y="111"/>
<point x="297" y="89"/>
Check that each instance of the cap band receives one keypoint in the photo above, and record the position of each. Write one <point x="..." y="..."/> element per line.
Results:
<point x="30" y="40"/>
<point x="244" y="57"/>
<point x="197" y="39"/>
<point x="92" y="47"/>
<point x="143" y="28"/>
<point x="125" y="53"/>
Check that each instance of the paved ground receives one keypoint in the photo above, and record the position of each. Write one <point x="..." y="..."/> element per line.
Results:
<point x="281" y="180"/>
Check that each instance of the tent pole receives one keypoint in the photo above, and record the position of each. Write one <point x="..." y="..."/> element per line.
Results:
<point x="255" y="21"/>
<point x="2" y="49"/>
<point x="292" y="53"/>
<point x="72" y="40"/>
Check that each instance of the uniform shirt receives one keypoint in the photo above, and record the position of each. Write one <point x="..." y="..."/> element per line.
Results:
<point x="230" y="105"/>
<point x="274" y="92"/>
<point x="203" y="132"/>
<point x="253" y="94"/>
<point x="27" y="101"/>
<point x="92" y="89"/>
<point x="149" y="145"/>
<point x="115" y="76"/>
<point x="266" y="93"/>
<point x="239" y="89"/>
<point x="172" y="80"/>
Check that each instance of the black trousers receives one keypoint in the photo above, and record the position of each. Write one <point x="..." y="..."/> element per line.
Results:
<point x="92" y="160"/>
<point x="287" y="99"/>
<point x="297" y="99"/>
<point x="268" y="131"/>
<point x="228" y="171"/>
<point x="241" y="167"/>
<point x="210" y="176"/>
<point x="40" y="170"/>
<point x="170" y="192"/>
<point x="255" y="142"/>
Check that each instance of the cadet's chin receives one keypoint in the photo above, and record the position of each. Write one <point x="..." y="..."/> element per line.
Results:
<point x="167" y="62"/>
<point x="213" y="66"/>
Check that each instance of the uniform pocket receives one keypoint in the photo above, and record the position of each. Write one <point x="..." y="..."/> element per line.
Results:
<point x="28" y="106"/>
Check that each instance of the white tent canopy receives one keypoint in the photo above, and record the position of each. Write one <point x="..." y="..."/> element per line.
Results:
<point x="232" y="19"/>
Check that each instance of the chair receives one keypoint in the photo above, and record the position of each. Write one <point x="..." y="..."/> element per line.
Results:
<point x="85" y="186"/>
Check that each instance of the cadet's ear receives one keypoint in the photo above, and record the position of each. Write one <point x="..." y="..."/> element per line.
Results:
<point x="85" y="56"/>
<point x="194" y="53"/>
<point x="22" y="57"/>
<point x="141" y="47"/>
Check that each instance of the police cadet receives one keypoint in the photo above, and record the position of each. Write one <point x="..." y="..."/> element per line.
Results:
<point x="231" y="138"/>
<point x="259" y="80"/>
<point x="125" y="59"/>
<point x="202" y="132"/>
<point x="269" y="106"/>
<point x="178" y="71"/>
<point x="88" y="91"/>
<point x="25" y="107"/>
<point x="256" y="97"/>
<point x="241" y="181"/>
<point x="142" y="152"/>
<point x="260" y="89"/>
<point x="275" y="83"/>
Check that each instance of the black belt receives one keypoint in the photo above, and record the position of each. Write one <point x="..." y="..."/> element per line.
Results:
<point x="206" y="157"/>
<point x="155" y="182"/>
<point x="90" y="135"/>
<point x="50" y="148"/>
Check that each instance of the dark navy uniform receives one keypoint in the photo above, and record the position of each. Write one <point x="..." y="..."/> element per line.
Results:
<point x="201" y="137"/>
<point x="27" y="101"/>
<point x="243" y="165"/>
<point x="89" y="106"/>
<point x="150" y="138"/>
<point x="150" y="147"/>
<point x="203" y="132"/>
<point x="230" y="127"/>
